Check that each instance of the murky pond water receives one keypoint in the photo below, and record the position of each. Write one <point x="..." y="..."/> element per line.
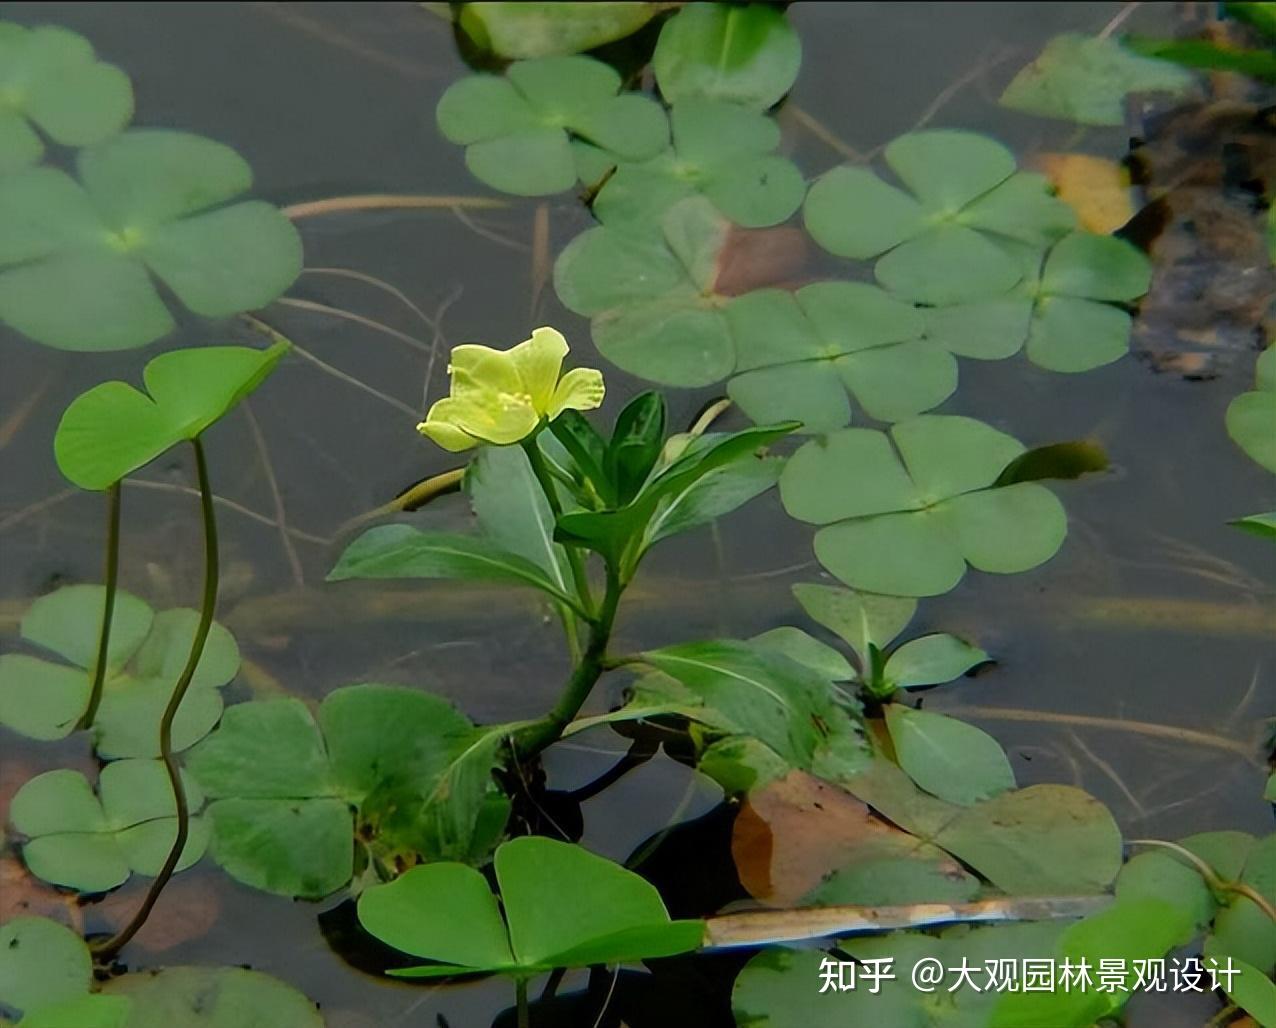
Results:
<point x="1137" y="664"/>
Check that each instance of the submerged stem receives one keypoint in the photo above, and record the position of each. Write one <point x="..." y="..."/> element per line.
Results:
<point x="206" y="610"/>
<point x="108" y="605"/>
<point x="520" y="999"/>
<point x="530" y="740"/>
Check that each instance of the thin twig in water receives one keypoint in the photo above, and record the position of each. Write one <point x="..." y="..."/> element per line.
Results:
<point x="1118" y="21"/>
<point x="337" y="373"/>
<point x="39" y="506"/>
<point x="438" y="339"/>
<point x="281" y="519"/>
<point x="981" y="68"/>
<point x="540" y="257"/>
<point x="390" y="202"/>
<point x="358" y="319"/>
<point x="377" y="283"/>
<point x="821" y="132"/>
<point x="615" y="975"/>
<point x="487" y="233"/>
<point x="238" y="508"/>
<point x="1170" y="733"/>
<point x="1110" y="771"/>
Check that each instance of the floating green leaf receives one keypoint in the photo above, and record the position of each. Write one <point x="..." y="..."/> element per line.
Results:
<point x="45" y="700"/>
<point x="41" y="963"/>
<point x="564" y="907"/>
<point x="526" y="30"/>
<point x="940" y="239"/>
<point x="517" y="128"/>
<point x="907" y="519"/>
<point x="1251" y="415"/>
<point x="747" y="55"/>
<point x="114" y="429"/>
<point x="720" y="150"/>
<point x="948" y="758"/>
<point x="52" y="81"/>
<point x="1242" y="930"/>
<point x="798" y="354"/>
<point x="862" y="620"/>
<point x="1263" y="525"/>
<point x="285" y="795"/>
<point x="212" y="997"/>
<point x="931" y="660"/>
<point x="1086" y="78"/>
<point x="92" y="843"/>
<point x="78" y="256"/>
<point x="651" y="296"/>
<point x="1255" y="993"/>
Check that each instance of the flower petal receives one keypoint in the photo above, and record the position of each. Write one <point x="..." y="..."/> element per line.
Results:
<point x="500" y="418"/>
<point x="579" y="389"/>
<point x="443" y="431"/>
<point x="539" y="360"/>
<point x="482" y="369"/>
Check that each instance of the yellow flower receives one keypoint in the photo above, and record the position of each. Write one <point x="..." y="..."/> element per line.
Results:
<point x="501" y="396"/>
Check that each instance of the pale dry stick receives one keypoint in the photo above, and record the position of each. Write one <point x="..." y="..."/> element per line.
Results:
<point x="39" y="506"/>
<point x="822" y="132"/>
<point x="377" y="283"/>
<point x="1118" y="20"/>
<point x="350" y="380"/>
<point x="1212" y="879"/>
<point x="222" y="501"/>
<point x="1243" y="703"/>
<point x="488" y="233"/>
<point x="289" y="15"/>
<point x="1109" y="771"/>
<point x="615" y="975"/>
<point x="12" y="425"/>
<point x="439" y="313"/>
<point x="281" y="518"/>
<point x="540" y="256"/>
<point x="391" y="202"/>
<point x="358" y="319"/>
<point x="1169" y="733"/>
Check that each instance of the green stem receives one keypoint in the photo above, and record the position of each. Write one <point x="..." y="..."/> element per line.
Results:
<point x="535" y="737"/>
<point x="520" y="999"/>
<point x="108" y="606"/>
<point x="207" y="607"/>
<point x="541" y="470"/>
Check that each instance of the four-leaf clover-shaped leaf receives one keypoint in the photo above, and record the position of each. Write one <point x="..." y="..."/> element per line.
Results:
<point x="720" y="150"/>
<point x="285" y="789"/>
<point x="77" y="256"/>
<point x="50" y="80"/>
<point x="906" y="512"/>
<point x="799" y="354"/>
<point x="92" y="843"/>
<point x="651" y="296"/>
<point x="939" y="239"/>
<point x="518" y="129"/>
<point x="564" y="907"/>
<point x="44" y="699"/>
<point x="1251" y="417"/>
<point x="1067" y="309"/>
<point x="114" y="429"/>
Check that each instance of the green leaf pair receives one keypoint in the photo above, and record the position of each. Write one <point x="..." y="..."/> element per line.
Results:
<point x="283" y="788"/>
<point x="52" y="82"/>
<point x="869" y="623"/>
<point x="563" y="907"/>
<point x="940" y="240"/>
<point x="94" y="843"/>
<point x="614" y="470"/>
<point x="525" y="30"/>
<point x="518" y="129"/>
<point x="114" y="429"/>
<point x="77" y="256"/>
<point x="44" y="699"/>
<point x="675" y="496"/>
<point x="905" y="513"/>
<point x="720" y="150"/>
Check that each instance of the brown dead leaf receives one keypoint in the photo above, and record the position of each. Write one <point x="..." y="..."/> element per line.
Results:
<point x="797" y="831"/>
<point x="187" y="909"/>
<point x="1096" y="188"/>
<point x="755" y="257"/>
<point x="22" y="894"/>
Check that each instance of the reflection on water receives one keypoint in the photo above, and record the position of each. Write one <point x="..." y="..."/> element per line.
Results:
<point x="1155" y="614"/>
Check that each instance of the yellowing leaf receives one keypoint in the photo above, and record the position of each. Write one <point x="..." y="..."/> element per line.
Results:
<point x="1096" y="188"/>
